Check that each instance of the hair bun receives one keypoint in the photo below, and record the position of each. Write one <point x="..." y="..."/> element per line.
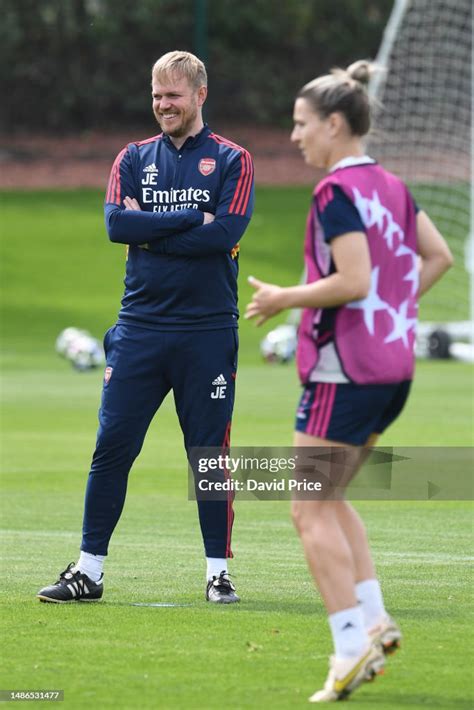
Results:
<point x="361" y="71"/>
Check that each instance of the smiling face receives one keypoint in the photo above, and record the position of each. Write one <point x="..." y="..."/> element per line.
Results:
<point x="178" y="106"/>
<point x="312" y="134"/>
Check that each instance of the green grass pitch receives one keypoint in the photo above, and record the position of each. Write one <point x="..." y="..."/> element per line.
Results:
<point x="271" y="650"/>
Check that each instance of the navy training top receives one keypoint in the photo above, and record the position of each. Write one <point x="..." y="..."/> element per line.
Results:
<point x="180" y="273"/>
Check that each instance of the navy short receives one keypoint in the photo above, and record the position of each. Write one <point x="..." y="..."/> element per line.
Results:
<point x="143" y="365"/>
<point x="349" y="413"/>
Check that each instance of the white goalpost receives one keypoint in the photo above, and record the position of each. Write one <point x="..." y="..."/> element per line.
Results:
<point x="422" y="131"/>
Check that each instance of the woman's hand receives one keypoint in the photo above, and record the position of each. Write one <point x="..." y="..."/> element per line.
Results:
<point x="267" y="300"/>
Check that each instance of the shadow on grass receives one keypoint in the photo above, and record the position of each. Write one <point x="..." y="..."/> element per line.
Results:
<point x="276" y="607"/>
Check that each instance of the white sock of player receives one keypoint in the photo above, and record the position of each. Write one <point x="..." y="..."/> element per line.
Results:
<point x="215" y="565"/>
<point x="370" y="597"/>
<point x="92" y="565"/>
<point x="348" y="632"/>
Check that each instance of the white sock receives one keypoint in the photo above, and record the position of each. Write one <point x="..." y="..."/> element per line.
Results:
<point x="92" y="565"/>
<point x="369" y="595"/>
<point x="215" y="565"/>
<point x="348" y="632"/>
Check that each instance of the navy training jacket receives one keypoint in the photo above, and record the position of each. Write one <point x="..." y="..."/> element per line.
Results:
<point x="180" y="273"/>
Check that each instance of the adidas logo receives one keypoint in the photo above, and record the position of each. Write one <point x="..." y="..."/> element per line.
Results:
<point x="150" y="168"/>
<point x="220" y="383"/>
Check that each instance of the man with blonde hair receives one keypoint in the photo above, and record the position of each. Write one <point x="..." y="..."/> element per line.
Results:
<point x="180" y="201"/>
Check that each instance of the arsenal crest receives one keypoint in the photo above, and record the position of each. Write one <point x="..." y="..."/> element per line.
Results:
<point x="207" y="166"/>
<point x="108" y="374"/>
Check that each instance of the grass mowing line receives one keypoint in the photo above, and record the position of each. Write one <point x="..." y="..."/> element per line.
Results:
<point x="158" y="604"/>
<point x="427" y="557"/>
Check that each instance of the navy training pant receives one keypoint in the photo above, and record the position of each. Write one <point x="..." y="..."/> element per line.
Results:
<point x="143" y="365"/>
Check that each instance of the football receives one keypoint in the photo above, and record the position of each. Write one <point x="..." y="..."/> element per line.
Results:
<point x="65" y="338"/>
<point x="80" y="348"/>
<point x="279" y="345"/>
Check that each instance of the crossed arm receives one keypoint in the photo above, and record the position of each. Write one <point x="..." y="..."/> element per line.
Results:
<point x="181" y="232"/>
<point x="132" y="226"/>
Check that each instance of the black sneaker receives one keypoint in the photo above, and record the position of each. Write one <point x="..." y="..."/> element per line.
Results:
<point x="220" y="590"/>
<point x="72" y="586"/>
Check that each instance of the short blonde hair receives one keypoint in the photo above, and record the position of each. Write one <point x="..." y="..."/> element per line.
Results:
<point x="181" y="64"/>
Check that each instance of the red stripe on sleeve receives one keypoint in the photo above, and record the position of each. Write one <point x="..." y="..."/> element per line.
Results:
<point x="117" y="184"/>
<point x="244" y="198"/>
<point x="113" y="188"/>
<point x="239" y="184"/>
<point x="107" y="196"/>
<point x="245" y="177"/>
<point x="111" y="185"/>
<point x="242" y="192"/>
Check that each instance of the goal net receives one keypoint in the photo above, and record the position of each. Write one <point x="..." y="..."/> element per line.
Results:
<point x="422" y="132"/>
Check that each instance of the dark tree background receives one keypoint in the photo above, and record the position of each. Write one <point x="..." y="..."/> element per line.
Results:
<point x="68" y="65"/>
